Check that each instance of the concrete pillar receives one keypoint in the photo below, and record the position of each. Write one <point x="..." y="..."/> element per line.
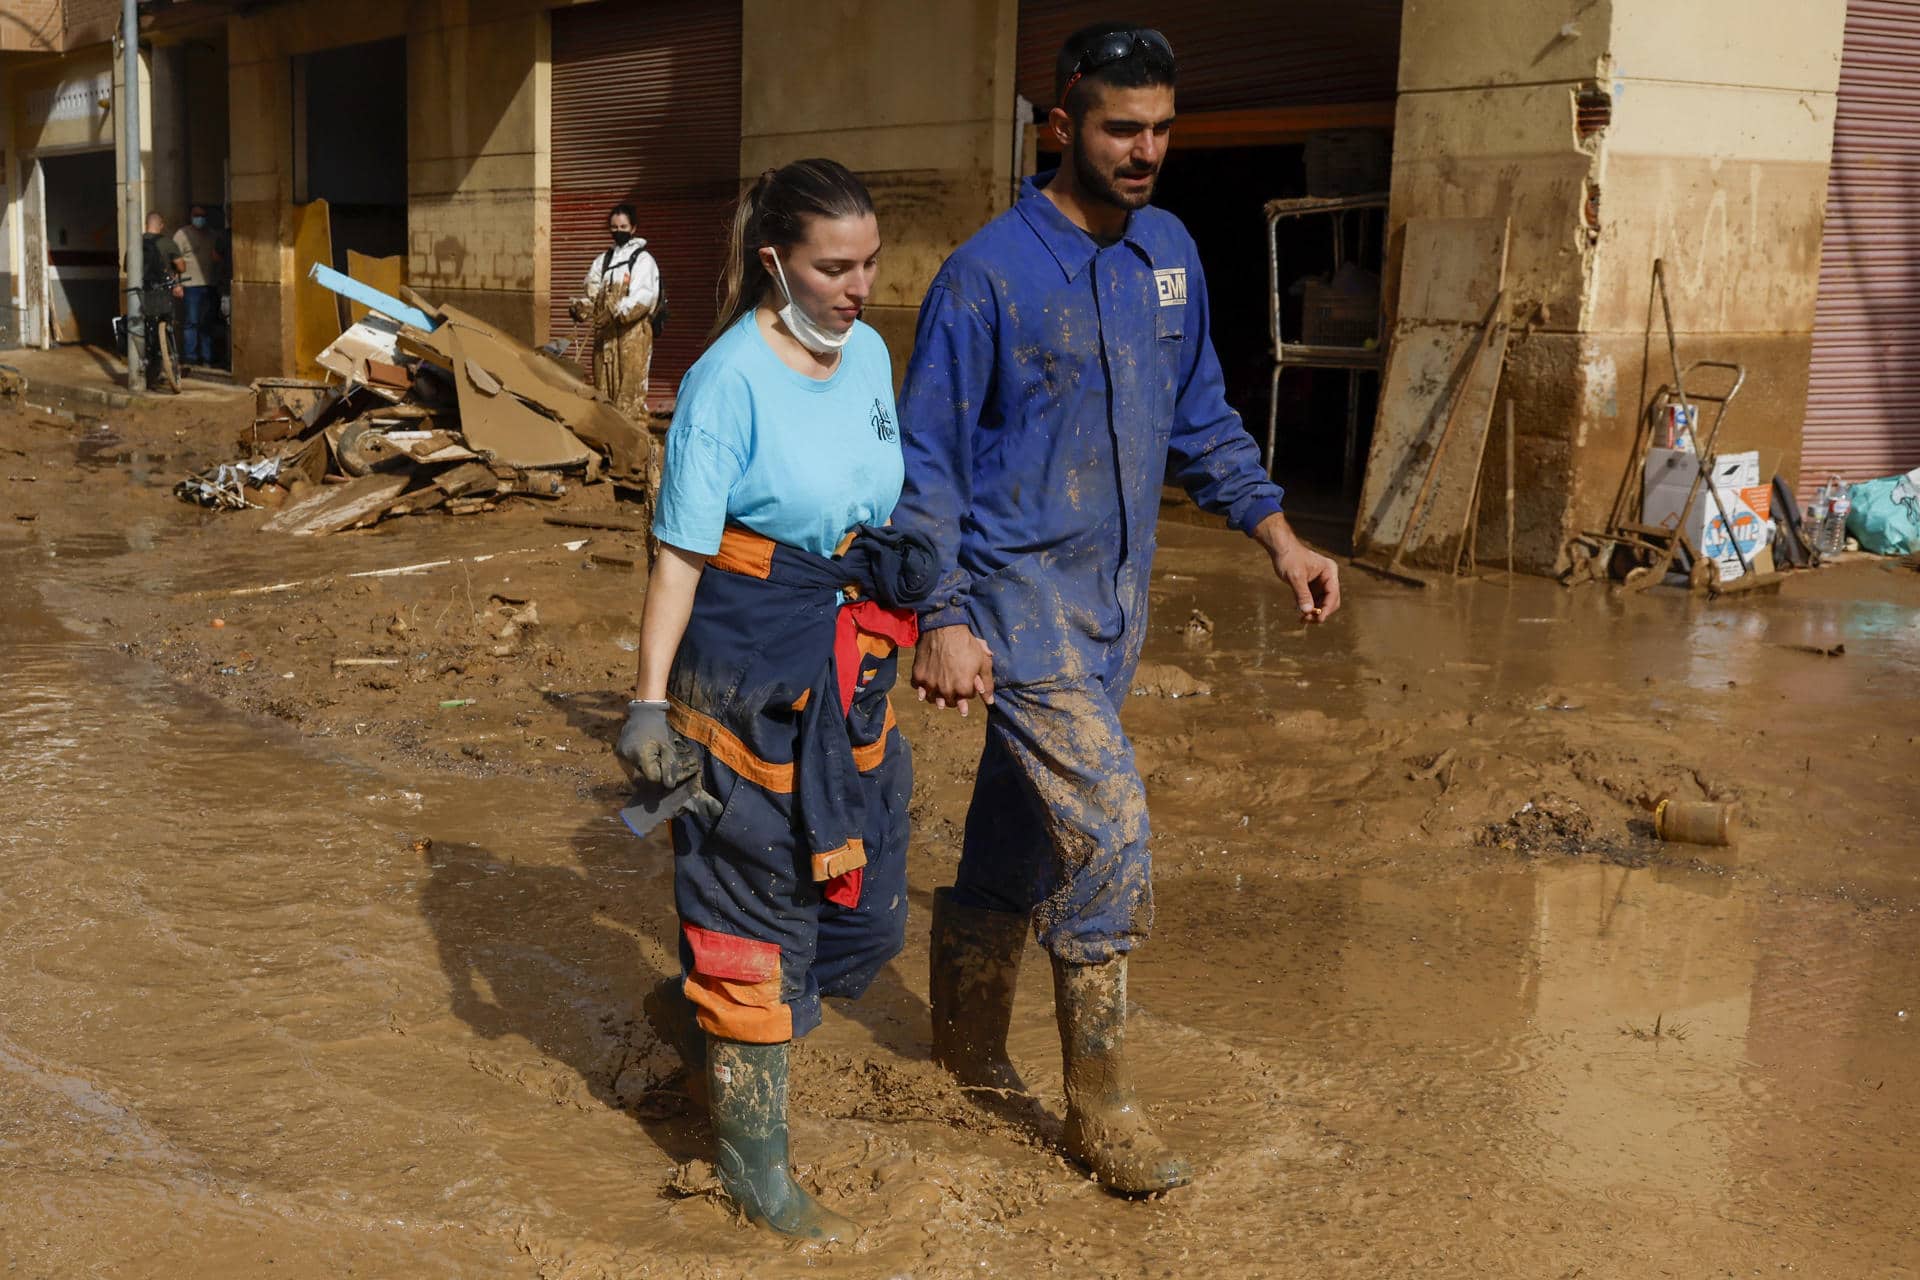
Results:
<point x="1612" y="132"/>
<point x="935" y="146"/>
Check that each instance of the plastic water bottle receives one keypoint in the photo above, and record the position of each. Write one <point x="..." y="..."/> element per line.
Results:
<point x="1833" y="530"/>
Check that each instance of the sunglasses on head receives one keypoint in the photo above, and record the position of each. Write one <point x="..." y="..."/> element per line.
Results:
<point x="1113" y="47"/>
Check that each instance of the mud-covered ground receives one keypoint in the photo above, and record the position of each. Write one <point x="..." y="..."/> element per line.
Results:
<point x="323" y="950"/>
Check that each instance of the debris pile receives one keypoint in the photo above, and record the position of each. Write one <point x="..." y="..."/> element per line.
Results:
<point x="433" y="410"/>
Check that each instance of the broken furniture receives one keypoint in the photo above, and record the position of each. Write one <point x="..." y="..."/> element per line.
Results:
<point x="1338" y="330"/>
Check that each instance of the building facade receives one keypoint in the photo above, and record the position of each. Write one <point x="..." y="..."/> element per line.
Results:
<point x="482" y="141"/>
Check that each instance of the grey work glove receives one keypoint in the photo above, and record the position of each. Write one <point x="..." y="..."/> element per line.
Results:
<point x="651" y="749"/>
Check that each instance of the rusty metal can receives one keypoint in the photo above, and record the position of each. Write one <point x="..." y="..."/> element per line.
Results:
<point x="1693" y="821"/>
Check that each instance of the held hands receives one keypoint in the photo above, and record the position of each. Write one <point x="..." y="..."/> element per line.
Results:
<point x="1314" y="578"/>
<point x="952" y="665"/>
<point x="650" y="748"/>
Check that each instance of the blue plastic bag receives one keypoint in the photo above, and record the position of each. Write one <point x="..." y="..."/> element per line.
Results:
<point x="1886" y="514"/>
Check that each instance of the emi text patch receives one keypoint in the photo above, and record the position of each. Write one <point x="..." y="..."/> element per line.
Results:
<point x="1172" y="283"/>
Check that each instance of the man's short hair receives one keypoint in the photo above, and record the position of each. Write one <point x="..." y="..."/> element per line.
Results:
<point x="1145" y="64"/>
<point x="633" y="214"/>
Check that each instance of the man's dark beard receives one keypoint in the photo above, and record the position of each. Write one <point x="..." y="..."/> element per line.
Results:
<point x="1101" y="187"/>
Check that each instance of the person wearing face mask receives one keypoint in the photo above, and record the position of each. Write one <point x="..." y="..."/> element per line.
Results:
<point x="622" y="302"/>
<point x="767" y="652"/>
<point x="200" y="276"/>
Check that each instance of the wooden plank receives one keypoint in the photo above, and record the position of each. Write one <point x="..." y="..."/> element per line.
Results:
<point x="383" y="274"/>
<point x="1436" y="538"/>
<point x="340" y="506"/>
<point x="316" y="312"/>
<point x="1452" y="272"/>
<point x="1451" y="268"/>
<point x="495" y="422"/>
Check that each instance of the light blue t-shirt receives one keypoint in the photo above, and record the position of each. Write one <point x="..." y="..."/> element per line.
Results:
<point x="801" y="460"/>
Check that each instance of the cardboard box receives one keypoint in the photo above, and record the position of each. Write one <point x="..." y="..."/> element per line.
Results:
<point x="1736" y="478"/>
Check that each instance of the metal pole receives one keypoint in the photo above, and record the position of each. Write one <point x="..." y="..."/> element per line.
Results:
<point x="133" y="216"/>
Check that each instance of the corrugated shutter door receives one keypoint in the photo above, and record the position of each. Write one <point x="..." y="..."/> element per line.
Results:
<point x="1863" y="394"/>
<point x="646" y="109"/>
<point x="1238" y="54"/>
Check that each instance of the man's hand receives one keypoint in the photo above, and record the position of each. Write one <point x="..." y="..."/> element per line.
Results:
<point x="580" y="309"/>
<point x="1315" y="579"/>
<point x="952" y="665"/>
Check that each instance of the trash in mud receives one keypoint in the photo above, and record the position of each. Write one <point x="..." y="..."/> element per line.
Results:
<point x="1819" y="651"/>
<point x="1164" y="680"/>
<point x="1693" y="821"/>
<point x="432" y="410"/>
<point x="1197" y="632"/>
<point x="1550" y="824"/>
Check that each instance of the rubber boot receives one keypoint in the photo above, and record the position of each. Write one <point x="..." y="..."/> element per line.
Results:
<point x="972" y="973"/>
<point x="748" y="1086"/>
<point x="1106" y="1130"/>
<point x="672" y="1017"/>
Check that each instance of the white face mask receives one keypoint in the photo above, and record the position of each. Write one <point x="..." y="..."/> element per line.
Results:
<point x="821" y="341"/>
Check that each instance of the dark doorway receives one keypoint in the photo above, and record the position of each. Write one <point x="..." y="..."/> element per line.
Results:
<point x="82" y="241"/>
<point x="350" y="144"/>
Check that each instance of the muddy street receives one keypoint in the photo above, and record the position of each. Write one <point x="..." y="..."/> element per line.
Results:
<point x="323" y="946"/>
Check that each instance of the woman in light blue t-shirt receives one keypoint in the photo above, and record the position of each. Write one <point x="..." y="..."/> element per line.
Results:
<point x="785" y="434"/>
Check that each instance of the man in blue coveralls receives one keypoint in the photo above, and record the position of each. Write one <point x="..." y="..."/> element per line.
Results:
<point x="1061" y="372"/>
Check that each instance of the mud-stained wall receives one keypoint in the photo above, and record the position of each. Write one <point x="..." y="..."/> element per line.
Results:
<point x="477" y="158"/>
<point x="1611" y="132"/>
<point x="916" y="98"/>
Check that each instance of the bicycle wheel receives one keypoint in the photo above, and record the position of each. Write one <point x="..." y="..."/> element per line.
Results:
<point x="169" y="362"/>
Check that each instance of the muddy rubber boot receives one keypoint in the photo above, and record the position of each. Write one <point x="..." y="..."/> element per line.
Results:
<point x="1106" y="1130"/>
<point x="671" y="1016"/>
<point x="748" y="1086"/>
<point x="974" y="966"/>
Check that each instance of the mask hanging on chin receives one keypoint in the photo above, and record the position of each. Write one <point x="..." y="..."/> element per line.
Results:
<point x="815" y="338"/>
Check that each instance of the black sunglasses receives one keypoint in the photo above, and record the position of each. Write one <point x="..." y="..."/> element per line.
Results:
<point x="1113" y="47"/>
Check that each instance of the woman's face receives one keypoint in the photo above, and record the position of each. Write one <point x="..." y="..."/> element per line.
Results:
<point x="831" y="272"/>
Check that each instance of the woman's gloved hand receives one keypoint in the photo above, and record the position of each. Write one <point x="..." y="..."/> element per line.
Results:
<point x="651" y="749"/>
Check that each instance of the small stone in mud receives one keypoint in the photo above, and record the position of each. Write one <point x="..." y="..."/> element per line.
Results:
<point x="1164" y="680"/>
<point x="1198" y="631"/>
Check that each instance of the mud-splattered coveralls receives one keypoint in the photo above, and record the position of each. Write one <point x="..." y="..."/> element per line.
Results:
<point x="1055" y="385"/>
<point x="799" y="888"/>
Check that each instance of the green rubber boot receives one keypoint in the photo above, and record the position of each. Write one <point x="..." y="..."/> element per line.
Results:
<point x="1106" y="1130"/>
<point x="748" y="1086"/>
<point x="972" y="972"/>
<point x="672" y="1017"/>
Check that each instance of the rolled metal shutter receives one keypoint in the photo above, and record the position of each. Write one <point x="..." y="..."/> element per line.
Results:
<point x="1863" y="389"/>
<point x="646" y="110"/>
<point x="1238" y="54"/>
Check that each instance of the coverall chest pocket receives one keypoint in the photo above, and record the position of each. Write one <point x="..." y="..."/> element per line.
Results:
<point x="1170" y="327"/>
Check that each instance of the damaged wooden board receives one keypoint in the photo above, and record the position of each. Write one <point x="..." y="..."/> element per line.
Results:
<point x="340" y="506"/>
<point x="383" y="274"/>
<point x="1451" y="276"/>
<point x="316" y="313"/>
<point x="498" y="425"/>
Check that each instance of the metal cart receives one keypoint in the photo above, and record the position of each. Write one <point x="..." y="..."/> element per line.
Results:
<point x="1356" y="359"/>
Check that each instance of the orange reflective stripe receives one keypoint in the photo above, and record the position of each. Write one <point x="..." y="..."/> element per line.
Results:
<point x="744" y="552"/>
<point x="749" y="1012"/>
<point x="730" y="751"/>
<point x="835" y="862"/>
<point x="868" y="756"/>
<point x="800" y="703"/>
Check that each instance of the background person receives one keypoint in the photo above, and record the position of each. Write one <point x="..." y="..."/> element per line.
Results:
<point x="620" y="301"/>
<point x="202" y="267"/>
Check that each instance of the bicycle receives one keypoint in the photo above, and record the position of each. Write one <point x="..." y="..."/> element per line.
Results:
<point x="162" y="340"/>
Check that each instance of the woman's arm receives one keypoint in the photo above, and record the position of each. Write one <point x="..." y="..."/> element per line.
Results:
<point x="663" y="619"/>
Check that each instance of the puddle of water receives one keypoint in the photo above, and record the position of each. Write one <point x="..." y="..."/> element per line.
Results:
<point x="243" y="1000"/>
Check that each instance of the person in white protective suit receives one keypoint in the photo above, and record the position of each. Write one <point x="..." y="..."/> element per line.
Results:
<point x="622" y="301"/>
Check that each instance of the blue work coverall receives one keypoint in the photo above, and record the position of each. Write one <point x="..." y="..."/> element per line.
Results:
<point x="1055" y="385"/>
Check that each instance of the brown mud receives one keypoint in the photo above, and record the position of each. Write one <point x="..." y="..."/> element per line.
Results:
<point x="305" y="973"/>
